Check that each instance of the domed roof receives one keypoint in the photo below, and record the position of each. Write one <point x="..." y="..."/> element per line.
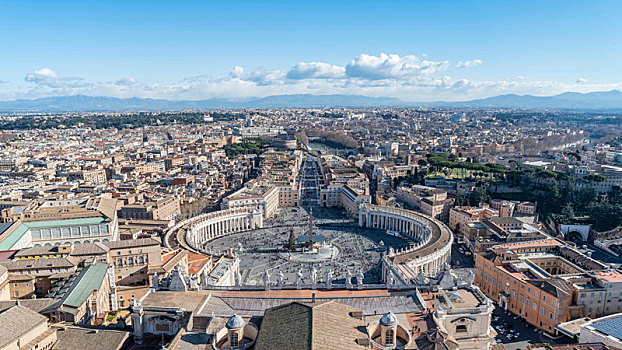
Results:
<point x="389" y="320"/>
<point x="235" y="322"/>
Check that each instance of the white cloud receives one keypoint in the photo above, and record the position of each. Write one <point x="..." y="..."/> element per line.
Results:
<point x="392" y="67"/>
<point x="127" y="81"/>
<point x="469" y="64"/>
<point x="45" y="77"/>
<point x="40" y="74"/>
<point x="236" y="72"/>
<point x="410" y="78"/>
<point x="266" y="76"/>
<point x="316" y="70"/>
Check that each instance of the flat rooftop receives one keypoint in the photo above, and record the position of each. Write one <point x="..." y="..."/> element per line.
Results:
<point x="463" y="299"/>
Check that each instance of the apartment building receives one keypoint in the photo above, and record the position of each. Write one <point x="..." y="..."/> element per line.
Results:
<point x="160" y="208"/>
<point x="511" y="208"/>
<point x="264" y="198"/>
<point x="342" y="196"/>
<point x="546" y="282"/>
<point x="459" y="217"/>
<point x="91" y="176"/>
<point x="428" y="200"/>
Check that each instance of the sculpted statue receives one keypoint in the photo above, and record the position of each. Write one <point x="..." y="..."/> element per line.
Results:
<point x="360" y="278"/>
<point x="313" y="275"/>
<point x="471" y="278"/>
<point x="266" y="280"/>
<point x="390" y="279"/>
<point x="421" y="277"/>
<point x="238" y="278"/>
<point x="348" y="279"/>
<point x="281" y="278"/>
<point x="299" y="279"/>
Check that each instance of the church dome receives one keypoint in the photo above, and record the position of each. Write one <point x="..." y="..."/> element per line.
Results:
<point x="235" y="322"/>
<point x="389" y="320"/>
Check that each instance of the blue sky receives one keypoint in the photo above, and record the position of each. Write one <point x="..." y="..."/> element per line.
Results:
<point x="414" y="50"/>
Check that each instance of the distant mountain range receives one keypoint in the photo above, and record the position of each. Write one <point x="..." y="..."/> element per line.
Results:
<point x="602" y="100"/>
<point x="95" y="103"/>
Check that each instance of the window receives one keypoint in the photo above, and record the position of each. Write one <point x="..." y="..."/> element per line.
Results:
<point x="542" y="310"/>
<point x="388" y="337"/>
<point x="551" y="316"/>
<point x="461" y="328"/>
<point x="234" y="341"/>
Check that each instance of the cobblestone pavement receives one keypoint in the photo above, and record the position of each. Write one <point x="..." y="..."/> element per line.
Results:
<point x="360" y="248"/>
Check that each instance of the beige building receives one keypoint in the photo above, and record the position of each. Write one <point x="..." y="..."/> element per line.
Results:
<point x="131" y="260"/>
<point x="22" y="286"/>
<point x="463" y="317"/>
<point x="92" y="176"/>
<point x="163" y="208"/>
<point x="60" y="222"/>
<point x="85" y="298"/>
<point x="429" y="200"/>
<point x="5" y="292"/>
<point x="264" y="198"/>
<point x="459" y="217"/>
<point x="342" y="196"/>
<point x="22" y="328"/>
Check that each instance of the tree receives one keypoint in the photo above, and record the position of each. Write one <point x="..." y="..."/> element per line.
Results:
<point x="567" y="211"/>
<point x="477" y="196"/>
<point x="292" y="240"/>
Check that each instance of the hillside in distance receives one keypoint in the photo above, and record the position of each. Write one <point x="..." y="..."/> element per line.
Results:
<point x="101" y="104"/>
<point x="600" y="100"/>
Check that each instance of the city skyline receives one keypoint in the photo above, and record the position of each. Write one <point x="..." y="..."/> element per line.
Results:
<point x="416" y="52"/>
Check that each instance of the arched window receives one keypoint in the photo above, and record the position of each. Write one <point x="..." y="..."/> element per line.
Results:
<point x="388" y="337"/>
<point x="233" y="339"/>
<point x="130" y="261"/>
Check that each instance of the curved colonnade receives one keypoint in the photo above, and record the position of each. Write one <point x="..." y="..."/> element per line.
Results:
<point x="426" y="257"/>
<point x="203" y="228"/>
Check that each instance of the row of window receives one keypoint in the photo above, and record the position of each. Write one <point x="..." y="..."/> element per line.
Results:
<point x="130" y="261"/>
<point x="73" y="231"/>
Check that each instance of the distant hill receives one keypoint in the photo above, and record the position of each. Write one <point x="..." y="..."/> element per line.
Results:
<point x="568" y="100"/>
<point x="96" y="103"/>
<point x="601" y="100"/>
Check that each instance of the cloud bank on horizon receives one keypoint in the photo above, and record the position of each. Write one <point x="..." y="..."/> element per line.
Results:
<point x="411" y="78"/>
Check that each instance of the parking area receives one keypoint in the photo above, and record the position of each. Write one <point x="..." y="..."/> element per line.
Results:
<point x="515" y="333"/>
<point x="459" y="257"/>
